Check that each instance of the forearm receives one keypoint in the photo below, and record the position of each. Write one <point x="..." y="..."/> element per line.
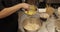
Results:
<point x="8" y="11"/>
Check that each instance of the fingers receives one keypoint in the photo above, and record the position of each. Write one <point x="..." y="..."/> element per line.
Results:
<point x="25" y="5"/>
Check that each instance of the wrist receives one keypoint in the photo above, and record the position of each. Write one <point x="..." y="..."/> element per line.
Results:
<point x="21" y="5"/>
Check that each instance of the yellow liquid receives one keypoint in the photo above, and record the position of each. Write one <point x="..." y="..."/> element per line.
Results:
<point x="31" y="11"/>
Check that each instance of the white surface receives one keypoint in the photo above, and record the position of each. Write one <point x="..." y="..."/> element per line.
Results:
<point x="42" y="10"/>
<point x="49" y="23"/>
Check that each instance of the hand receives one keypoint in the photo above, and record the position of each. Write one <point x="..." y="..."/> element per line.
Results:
<point x="25" y="5"/>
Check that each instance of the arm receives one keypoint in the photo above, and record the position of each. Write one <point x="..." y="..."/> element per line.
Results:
<point x="8" y="11"/>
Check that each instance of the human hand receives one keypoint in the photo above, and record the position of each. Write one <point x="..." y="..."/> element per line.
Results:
<point x="25" y="6"/>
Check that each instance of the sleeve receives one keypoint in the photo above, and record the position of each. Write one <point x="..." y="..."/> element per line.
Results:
<point x="1" y="5"/>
